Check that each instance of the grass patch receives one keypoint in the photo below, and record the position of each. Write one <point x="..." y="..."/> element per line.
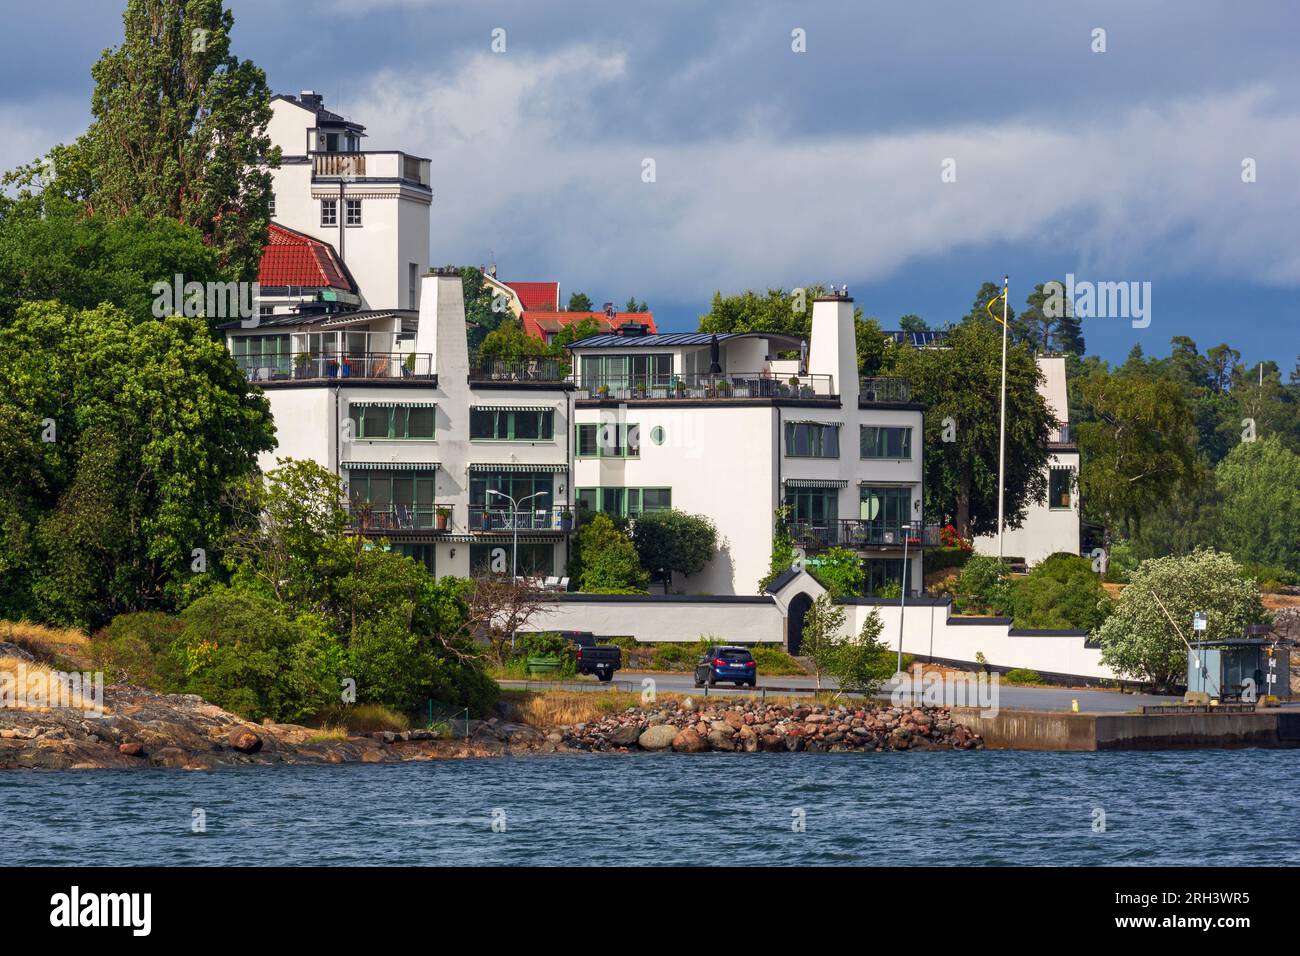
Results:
<point x="1022" y="675"/>
<point x="363" y="718"/>
<point x="553" y="708"/>
<point x="771" y="658"/>
<point x="67" y="647"/>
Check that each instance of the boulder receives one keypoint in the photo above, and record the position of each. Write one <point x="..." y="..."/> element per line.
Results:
<point x="625" y="735"/>
<point x="131" y="750"/>
<point x="658" y="737"/>
<point x="734" y="719"/>
<point x="719" y="740"/>
<point x="689" y="742"/>
<point x="244" y="740"/>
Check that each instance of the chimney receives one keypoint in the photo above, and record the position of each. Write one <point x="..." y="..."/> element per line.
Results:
<point x="310" y="99"/>
<point x="609" y="310"/>
<point x="833" y="350"/>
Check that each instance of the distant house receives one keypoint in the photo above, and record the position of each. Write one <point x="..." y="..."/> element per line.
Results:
<point x="544" y="325"/>
<point x="299" y="272"/>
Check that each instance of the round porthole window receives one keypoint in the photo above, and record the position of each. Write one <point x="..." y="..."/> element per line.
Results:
<point x="657" y="434"/>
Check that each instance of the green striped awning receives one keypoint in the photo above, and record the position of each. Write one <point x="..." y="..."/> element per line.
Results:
<point x="369" y="404"/>
<point x="515" y="466"/>
<point x="816" y="482"/>
<point x="389" y="465"/>
<point x="512" y="408"/>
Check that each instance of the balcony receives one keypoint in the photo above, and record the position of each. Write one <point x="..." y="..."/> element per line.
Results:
<point x="856" y="535"/>
<point x="883" y="391"/>
<point x="379" y="165"/>
<point x="495" y="520"/>
<point x="369" y="519"/>
<point x="705" y="386"/>
<point x="532" y="370"/>
<point x="304" y="367"/>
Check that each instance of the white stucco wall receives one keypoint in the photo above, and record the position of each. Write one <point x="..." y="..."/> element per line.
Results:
<point x="658" y="621"/>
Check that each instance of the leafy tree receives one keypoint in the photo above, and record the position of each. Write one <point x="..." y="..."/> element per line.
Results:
<point x="49" y="249"/>
<point x="875" y="349"/>
<point x="579" y="302"/>
<point x="913" y="323"/>
<point x="1138" y="641"/>
<point x="984" y="585"/>
<point x="783" y="552"/>
<point x="606" y="560"/>
<point x="136" y="649"/>
<point x="840" y="572"/>
<point x="179" y="131"/>
<point x="583" y="328"/>
<point x="481" y="310"/>
<point x="1061" y="591"/>
<point x="1259" y="518"/>
<point x="1050" y="326"/>
<point x="117" y="439"/>
<point x="860" y="664"/>
<point x="961" y="382"/>
<point x="822" y="628"/>
<point x="671" y="541"/>
<point x="634" y="306"/>
<point x="509" y="342"/>
<point x="1180" y="523"/>
<point x="774" y="311"/>
<point x="1138" y="446"/>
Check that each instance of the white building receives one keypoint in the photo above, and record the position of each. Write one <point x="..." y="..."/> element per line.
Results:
<point x="723" y="426"/>
<point x="371" y="206"/>
<point x="1051" y="525"/>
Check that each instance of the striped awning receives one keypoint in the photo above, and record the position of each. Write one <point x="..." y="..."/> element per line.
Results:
<point x="389" y="465"/>
<point x="369" y="404"/>
<point x="816" y="482"/>
<point x="512" y="408"/>
<point x="515" y="466"/>
<point x="811" y="421"/>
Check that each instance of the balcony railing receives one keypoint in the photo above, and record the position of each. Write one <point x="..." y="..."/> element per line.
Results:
<point x="1059" y="436"/>
<point x="701" y="386"/>
<point x="874" y="390"/>
<point x="382" y="519"/>
<point x="503" y="519"/>
<point x="326" y="365"/>
<point x="380" y="164"/>
<point x="519" y="370"/>
<point x="853" y="533"/>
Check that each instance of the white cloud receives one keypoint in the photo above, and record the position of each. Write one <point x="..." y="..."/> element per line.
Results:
<point x="1151" y="193"/>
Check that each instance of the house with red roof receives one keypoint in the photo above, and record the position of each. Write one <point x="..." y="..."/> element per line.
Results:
<point x="537" y="307"/>
<point x="300" y="273"/>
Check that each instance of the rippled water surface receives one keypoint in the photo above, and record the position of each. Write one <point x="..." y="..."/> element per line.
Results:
<point x="1217" y="807"/>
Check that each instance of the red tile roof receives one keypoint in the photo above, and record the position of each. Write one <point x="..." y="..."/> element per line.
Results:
<point x="292" y="258"/>
<point x="541" y="324"/>
<point x="543" y="296"/>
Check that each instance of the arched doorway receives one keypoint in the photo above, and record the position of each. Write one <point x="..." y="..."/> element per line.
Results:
<point x="799" y="606"/>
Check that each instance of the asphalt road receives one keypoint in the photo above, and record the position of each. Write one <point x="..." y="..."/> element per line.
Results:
<point x="1010" y="697"/>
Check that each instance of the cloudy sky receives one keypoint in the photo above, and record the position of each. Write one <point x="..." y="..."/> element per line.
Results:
<point x="779" y="168"/>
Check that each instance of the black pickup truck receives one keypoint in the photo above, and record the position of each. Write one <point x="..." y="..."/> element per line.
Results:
<point x="592" y="658"/>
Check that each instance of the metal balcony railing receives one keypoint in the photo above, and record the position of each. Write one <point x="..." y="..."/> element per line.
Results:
<point x="519" y="370"/>
<point x="872" y="390"/>
<point x="540" y="519"/>
<point x="381" y="519"/>
<point x="854" y="533"/>
<point x="324" y="365"/>
<point x="700" y="386"/>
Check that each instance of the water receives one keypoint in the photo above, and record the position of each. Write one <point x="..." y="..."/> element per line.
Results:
<point x="1217" y="807"/>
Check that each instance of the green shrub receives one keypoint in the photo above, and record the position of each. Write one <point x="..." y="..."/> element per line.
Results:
<point x="1021" y="675"/>
<point x="983" y="586"/>
<point x="364" y="718"/>
<point x="773" y="660"/>
<point x="937" y="559"/>
<point x="1061" y="591"/>
<point x="1123" y="562"/>
<point x="137" y="649"/>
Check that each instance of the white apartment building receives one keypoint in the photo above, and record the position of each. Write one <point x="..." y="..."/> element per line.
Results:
<point x="1054" y="524"/>
<point x="721" y="425"/>
<point x="371" y="206"/>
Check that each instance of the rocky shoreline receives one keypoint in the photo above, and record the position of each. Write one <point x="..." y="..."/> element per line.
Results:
<point x="140" y="728"/>
<point x="753" y="726"/>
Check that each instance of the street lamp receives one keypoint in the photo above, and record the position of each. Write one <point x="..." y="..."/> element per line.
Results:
<point x="902" y="604"/>
<point x="514" y="525"/>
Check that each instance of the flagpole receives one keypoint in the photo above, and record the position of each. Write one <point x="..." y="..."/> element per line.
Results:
<point x="1002" y="424"/>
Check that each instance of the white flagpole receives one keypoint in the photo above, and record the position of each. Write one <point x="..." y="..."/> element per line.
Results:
<point x="1002" y="426"/>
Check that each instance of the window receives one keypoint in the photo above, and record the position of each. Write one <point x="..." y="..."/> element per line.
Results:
<point x="380" y="422"/>
<point x="412" y="286"/>
<point x="880" y="441"/>
<point x="254" y="352"/>
<point x="420" y="553"/>
<point x="624" y="371"/>
<point x="885" y="574"/>
<point x="352" y="212"/>
<point x="271" y="206"/>
<point x="624" y="502"/>
<point x="886" y="509"/>
<point x="517" y="424"/>
<point x="535" y="559"/>
<point x="394" y="498"/>
<point x="816" y="507"/>
<point x="608" y="440"/>
<point x="1060" y="485"/>
<point x="329" y="212"/>
<point x="812" y="439"/>
<point x="516" y="484"/>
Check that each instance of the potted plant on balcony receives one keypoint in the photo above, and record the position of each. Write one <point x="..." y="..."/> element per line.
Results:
<point x="566" y="520"/>
<point x="602" y="390"/>
<point x="332" y="368"/>
<point x="638" y="390"/>
<point x="300" y="363"/>
<point x="679" y="387"/>
<point x="724" y="388"/>
<point x="408" y="365"/>
<point x="442" y="517"/>
<point x="345" y="367"/>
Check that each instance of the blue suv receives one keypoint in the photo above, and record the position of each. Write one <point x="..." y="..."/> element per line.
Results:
<point x="734" y="664"/>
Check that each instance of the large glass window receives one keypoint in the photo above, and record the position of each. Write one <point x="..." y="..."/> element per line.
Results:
<point x="880" y="441"/>
<point x="391" y="422"/>
<point x="624" y="371"/>
<point x="517" y="484"/>
<point x="496" y="424"/>
<point x="885" y="509"/>
<point x="812" y="440"/>
<point x="818" y="507"/>
<point x="885" y="576"/>
<point x="1060" y="488"/>
<point x="624" y="502"/>
<point x="397" y="499"/>
<point x="420" y="553"/>
<point x="535" y="559"/>
<point x="607" y="440"/>
<point x="262" y="352"/>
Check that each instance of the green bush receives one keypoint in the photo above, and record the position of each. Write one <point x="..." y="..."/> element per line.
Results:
<point x="1123" y="562"/>
<point x="983" y="586"/>
<point x="773" y="660"/>
<point x="1021" y="675"/>
<point x="1061" y="591"/>
<point x="137" y="649"/>
<point x="937" y="559"/>
<point x="242" y="653"/>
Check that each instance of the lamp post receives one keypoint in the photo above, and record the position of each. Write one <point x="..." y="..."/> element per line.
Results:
<point x="902" y="602"/>
<point x="514" y="526"/>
